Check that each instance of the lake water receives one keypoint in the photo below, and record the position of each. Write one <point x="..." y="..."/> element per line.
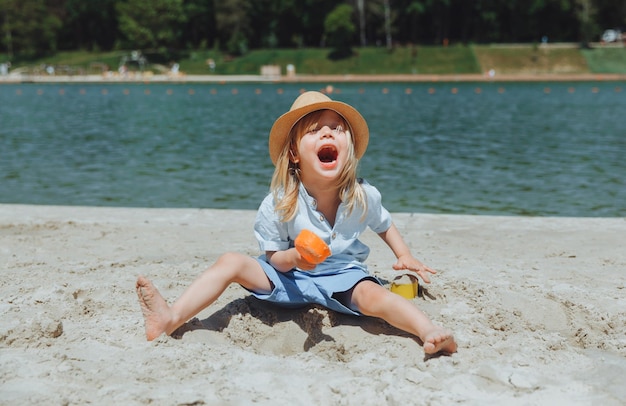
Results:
<point x="545" y="149"/>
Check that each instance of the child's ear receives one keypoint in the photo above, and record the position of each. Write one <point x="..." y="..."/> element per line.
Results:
<point x="293" y="157"/>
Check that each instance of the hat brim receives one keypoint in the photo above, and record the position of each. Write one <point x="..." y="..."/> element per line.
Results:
<point x="279" y="133"/>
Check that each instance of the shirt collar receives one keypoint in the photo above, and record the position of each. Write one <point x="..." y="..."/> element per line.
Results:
<point x="310" y="200"/>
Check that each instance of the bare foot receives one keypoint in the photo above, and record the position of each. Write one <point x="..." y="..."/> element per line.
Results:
<point x="439" y="340"/>
<point x="156" y="312"/>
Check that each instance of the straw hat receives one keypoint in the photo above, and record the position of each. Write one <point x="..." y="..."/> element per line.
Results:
<point x="308" y="102"/>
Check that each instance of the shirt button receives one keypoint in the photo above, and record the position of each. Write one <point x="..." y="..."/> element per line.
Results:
<point x="334" y="236"/>
<point x="322" y="218"/>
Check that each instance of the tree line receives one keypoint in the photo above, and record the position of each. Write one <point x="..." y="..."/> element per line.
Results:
<point x="39" y="27"/>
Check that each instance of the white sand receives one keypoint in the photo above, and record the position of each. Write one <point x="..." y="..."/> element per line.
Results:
<point x="538" y="306"/>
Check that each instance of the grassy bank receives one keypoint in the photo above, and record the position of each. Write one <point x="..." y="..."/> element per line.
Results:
<point x="505" y="59"/>
<point x="606" y="60"/>
<point x="531" y="60"/>
<point x="432" y="60"/>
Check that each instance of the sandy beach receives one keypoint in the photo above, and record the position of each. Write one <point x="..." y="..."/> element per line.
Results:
<point x="538" y="306"/>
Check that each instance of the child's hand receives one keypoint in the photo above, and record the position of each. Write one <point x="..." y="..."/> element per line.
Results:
<point x="285" y="261"/>
<point x="408" y="262"/>
<point x="303" y="264"/>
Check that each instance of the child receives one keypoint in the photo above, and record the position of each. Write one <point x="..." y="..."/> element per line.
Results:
<point x="315" y="148"/>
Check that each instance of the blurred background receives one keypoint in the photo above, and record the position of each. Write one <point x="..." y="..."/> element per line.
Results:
<point x="312" y="36"/>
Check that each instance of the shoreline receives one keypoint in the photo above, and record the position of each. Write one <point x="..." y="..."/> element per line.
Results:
<point x="537" y="306"/>
<point x="394" y="78"/>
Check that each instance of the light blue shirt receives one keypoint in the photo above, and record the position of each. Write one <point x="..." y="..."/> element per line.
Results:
<point x="342" y="238"/>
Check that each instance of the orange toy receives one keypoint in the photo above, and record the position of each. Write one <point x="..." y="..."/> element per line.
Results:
<point x="311" y="247"/>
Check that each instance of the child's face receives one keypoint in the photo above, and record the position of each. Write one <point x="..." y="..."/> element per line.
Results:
<point x="323" y="149"/>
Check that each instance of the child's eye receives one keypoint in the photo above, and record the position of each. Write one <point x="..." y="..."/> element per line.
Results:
<point x="337" y="129"/>
<point x="313" y="130"/>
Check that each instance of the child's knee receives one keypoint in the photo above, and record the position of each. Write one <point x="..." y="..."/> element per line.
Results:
<point x="366" y="294"/>
<point x="232" y="259"/>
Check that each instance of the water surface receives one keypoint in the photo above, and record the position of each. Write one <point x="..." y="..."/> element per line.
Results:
<point x="546" y="149"/>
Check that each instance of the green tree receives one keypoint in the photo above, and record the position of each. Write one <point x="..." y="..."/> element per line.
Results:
<point x="200" y="30"/>
<point x="380" y="17"/>
<point x="233" y="25"/>
<point x="339" y="31"/>
<point x="586" y="13"/>
<point x="29" y="27"/>
<point x="414" y="9"/>
<point x="610" y="14"/>
<point x="90" y="25"/>
<point x="150" y="24"/>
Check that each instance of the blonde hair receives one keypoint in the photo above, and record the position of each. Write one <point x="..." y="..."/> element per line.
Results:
<point x="286" y="181"/>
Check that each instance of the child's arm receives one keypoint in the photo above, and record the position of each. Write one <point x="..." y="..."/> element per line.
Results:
<point x="285" y="261"/>
<point x="406" y="260"/>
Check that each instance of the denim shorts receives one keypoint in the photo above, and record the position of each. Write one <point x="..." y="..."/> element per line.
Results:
<point x="299" y="288"/>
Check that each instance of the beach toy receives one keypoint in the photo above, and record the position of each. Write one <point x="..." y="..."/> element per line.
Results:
<point x="311" y="247"/>
<point x="405" y="285"/>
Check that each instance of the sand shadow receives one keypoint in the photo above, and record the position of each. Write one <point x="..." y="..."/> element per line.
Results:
<point x="310" y="319"/>
<point x="311" y="322"/>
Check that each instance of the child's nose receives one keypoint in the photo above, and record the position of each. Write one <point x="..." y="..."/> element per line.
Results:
<point x="326" y="132"/>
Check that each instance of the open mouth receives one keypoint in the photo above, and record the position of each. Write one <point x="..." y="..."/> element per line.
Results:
<point x="327" y="154"/>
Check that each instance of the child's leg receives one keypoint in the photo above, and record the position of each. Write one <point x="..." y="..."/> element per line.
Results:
<point x="229" y="268"/>
<point x="374" y="300"/>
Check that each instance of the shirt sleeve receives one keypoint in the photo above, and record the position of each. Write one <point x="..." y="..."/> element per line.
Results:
<point x="379" y="219"/>
<point x="269" y="231"/>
